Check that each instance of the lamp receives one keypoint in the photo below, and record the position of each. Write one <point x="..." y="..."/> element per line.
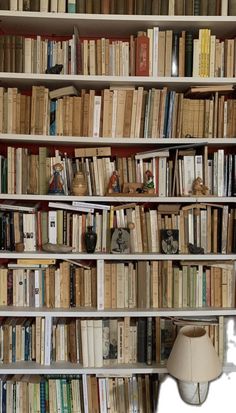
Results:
<point x="193" y="362"/>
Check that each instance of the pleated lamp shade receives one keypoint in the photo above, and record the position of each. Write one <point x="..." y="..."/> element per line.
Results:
<point x="193" y="357"/>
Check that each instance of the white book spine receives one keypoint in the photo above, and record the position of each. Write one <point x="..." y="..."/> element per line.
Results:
<point x="85" y="393"/>
<point x="84" y="338"/>
<point x="13" y="5"/>
<point x="53" y="6"/>
<point x="61" y="6"/>
<point x="102" y="395"/>
<point x="100" y="284"/>
<point x="155" y="51"/>
<point x="224" y="7"/>
<point x="48" y="340"/>
<point x="52" y="227"/>
<point x="220" y="175"/>
<point x="44" y="6"/>
<point x="98" y="355"/>
<point x="162" y="177"/>
<point x="90" y="343"/>
<point x="36" y="288"/>
<point x="198" y="166"/>
<point x="96" y="116"/>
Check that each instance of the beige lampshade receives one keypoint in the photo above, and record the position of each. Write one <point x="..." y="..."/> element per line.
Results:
<point x="193" y="357"/>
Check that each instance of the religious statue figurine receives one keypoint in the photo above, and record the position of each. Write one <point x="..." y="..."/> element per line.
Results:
<point x="114" y="186"/>
<point x="148" y="184"/>
<point x="56" y="183"/>
<point x="198" y="187"/>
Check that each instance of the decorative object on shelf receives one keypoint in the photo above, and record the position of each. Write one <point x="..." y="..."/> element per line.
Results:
<point x="114" y="185"/>
<point x="19" y="247"/>
<point x="57" y="248"/>
<point x="54" y="70"/>
<point x="148" y="184"/>
<point x="135" y="188"/>
<point x="193" y="362"/>
<point x="199" y="188"/>
<point x="169" y="241"/>
<point x="56" y="183"/>
<point x="194" y="249"/>
<point x="79" y="185"/>
<point x="90" y="238"/>
<point x="120" y="240"/>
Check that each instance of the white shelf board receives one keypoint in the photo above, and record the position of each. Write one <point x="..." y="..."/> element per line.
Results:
<point x="69" y="368"/>
<point x="89" y="141"/>
<point x="73" y="312"/>
<point x="115" y="25"/>
<point x="115" y="199"/>
<point x="118" y="257"/>
<point x="26" y="80"/>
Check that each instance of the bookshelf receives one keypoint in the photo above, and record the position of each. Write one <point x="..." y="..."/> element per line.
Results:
<point x="115" y="25"/>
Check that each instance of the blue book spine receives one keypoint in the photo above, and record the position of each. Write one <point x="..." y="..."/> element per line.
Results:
<point x="42" y="397"/>
<point x="14" y="344"/>
<point x="166" y="115"/>
<point x="27" y="341"/>
<point x="170" y="114"/>
<point x="53" y="107"/>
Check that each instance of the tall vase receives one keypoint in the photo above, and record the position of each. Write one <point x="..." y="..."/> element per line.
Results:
<point x="90" y="239"/>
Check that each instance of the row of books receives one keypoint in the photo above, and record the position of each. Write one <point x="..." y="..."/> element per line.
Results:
<point x="165" y="285"/>
<point x="151" y="53"/>
<point x="149" y="7"/>
<point x="79" y="393"/>
<point x="117" y="113"/>
<point x="88" y="342"/>
<point x="63" y="286"/>
<point x="167" y="229"/>
<point x="142" y="284"/>
<point x="174" y="172"/>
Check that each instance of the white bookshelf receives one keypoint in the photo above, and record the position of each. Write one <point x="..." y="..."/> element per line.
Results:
<point x="75" y="312"/>
<point x="115" y="199"/>
<point x="89" y="141"/>
<point x="109" y="25"/>
<point x="118" y="257"/>
<point x="99" y="82"/>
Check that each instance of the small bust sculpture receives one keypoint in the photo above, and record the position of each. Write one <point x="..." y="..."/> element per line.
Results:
<point x="198" y="187"/>
<point x="114" y="186"/>
<point x="148" y="184"/>
<point x="54" y="70"/>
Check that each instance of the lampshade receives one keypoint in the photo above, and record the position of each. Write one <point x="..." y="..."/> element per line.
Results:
<point x="193" y="357"/>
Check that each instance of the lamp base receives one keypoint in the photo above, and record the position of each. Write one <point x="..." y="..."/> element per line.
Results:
<point x="193" y="393"/>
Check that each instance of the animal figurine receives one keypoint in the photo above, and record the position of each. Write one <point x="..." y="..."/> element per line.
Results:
<point x="54" y="70"/>
<point x="198" y="187"/>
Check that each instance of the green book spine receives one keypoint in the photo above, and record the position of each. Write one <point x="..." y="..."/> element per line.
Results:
<point x="164" y="7"/>
<point x="96" y="6"/>
<point x="196" y="8"/>
<point x="139" y="9"/>
<point x="204" y="7"/>
<point x="80" y="6"/>
<point x="148" y="7"/>
<point x="89" y="6"/>
<point x="120" y="7"/>
<point x="156" y="7"/>
<point x="212" y="8"/>
<point x="232" y="7"/>
<point x="189" y="54"/>
<point x="189" y="7"/>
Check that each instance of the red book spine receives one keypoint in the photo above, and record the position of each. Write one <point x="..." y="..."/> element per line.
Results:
<point x="142" y="56"/>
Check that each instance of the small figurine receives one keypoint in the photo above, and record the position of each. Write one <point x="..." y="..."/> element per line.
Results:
<point x="114" y="186"/>
<point x="194" y="249"/>
<point x="148" y="184"/>
<point x="198" y="187"/>
<point x="54" y="70"/>
<point x="56" y="183"/>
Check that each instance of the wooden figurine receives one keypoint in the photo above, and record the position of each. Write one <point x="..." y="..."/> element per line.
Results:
<point x="198" y="187"/>
<point x="114" y="186"/>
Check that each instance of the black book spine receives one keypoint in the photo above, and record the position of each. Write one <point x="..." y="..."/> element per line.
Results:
<point x="164" y="7"/>
<point x="196" y="8"/>
<point x="10" y="287"/>
<point x="189" y="54"/>
<point x="175" y="55"/>
<point x="149" y="341"/>
<point x="12" y="234"/>
<point x="142" y="342"/>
